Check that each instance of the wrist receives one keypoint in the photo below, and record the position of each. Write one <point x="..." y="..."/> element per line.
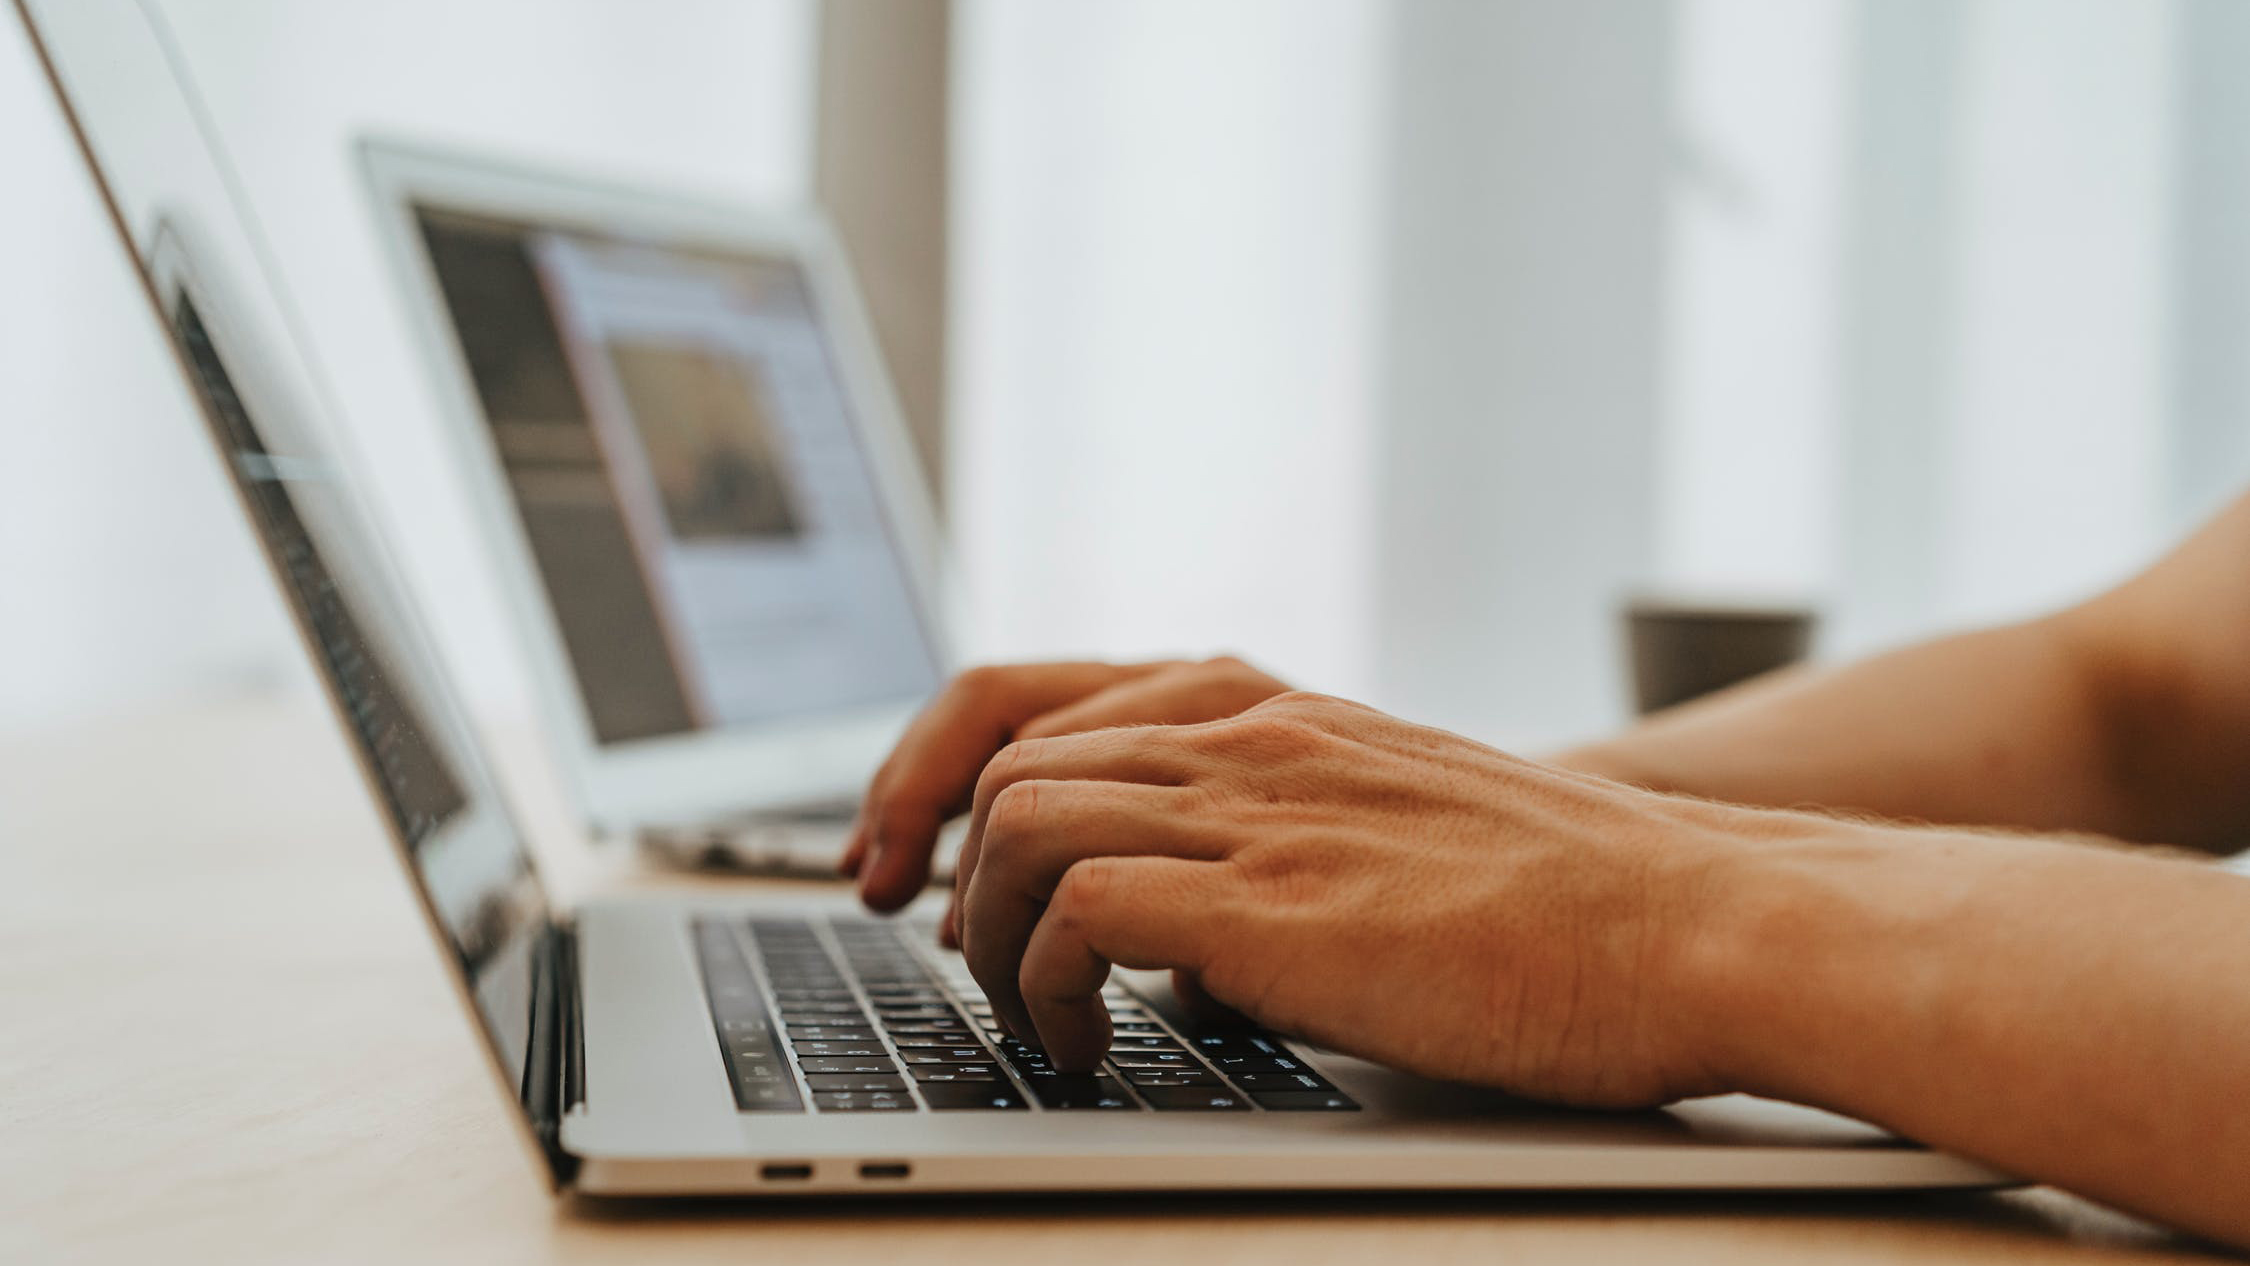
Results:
<point x="1802" y="928"/>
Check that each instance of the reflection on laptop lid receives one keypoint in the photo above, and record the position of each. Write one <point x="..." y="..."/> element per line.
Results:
<point x="464" y="854"/>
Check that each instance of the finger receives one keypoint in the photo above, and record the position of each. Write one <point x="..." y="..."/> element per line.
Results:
<point x="1039" y="830"/>
<point x="949" y="927"/>
<point x="929" y="775"/>
<point x="1181" y="694"/>
<point x="1201" y="1007"/>
<point x="1152" y="912"/>
<point x="1138" y="755"/>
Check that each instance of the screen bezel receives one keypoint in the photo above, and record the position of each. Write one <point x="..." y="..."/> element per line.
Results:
<point x="696" y="776"/>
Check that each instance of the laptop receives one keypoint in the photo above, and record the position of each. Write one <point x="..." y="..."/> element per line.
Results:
<point x="728" y="1042"/>
<point x="716" y="540"/>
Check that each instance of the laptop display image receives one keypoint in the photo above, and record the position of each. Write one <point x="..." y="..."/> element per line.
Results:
<point x="696" y="499"/>
<point x="691" y="474"/>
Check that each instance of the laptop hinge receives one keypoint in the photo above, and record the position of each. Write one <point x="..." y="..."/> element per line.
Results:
<point x="554" y="1075"/>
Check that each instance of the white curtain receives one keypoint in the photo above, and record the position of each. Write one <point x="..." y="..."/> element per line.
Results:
<point x="1394" y="343"/>
<point x="1165" y="342"/>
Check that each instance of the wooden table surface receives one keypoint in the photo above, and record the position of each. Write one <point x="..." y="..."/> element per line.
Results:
<point x="224" y="1037"/>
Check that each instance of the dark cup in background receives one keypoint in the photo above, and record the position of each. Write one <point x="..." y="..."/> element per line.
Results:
<point x="1684" y="649"/>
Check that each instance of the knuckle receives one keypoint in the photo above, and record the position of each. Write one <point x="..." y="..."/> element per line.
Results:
<point x="1229" y="665"/>
<point x="1014" y="809"/>
<point x="1237" y="673"/>
<point x="1003" y="767"/>
<point x="1289" y="873"/>
<point x="1082" y="891"/>
<point x="983" y="683"/>
<point x="1300" y="701"/>
<point x="1009" y="766"/>
<point x="1270" y="736"/>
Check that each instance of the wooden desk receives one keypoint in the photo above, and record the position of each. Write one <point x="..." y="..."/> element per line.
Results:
<point x="224" y="1038"/>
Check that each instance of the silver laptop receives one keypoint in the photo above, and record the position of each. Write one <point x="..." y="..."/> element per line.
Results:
<point x="715" y="538"/>
<point x="715" y="1043"/>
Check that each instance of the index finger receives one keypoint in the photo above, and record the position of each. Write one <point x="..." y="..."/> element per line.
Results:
<point x="931" y="773"/>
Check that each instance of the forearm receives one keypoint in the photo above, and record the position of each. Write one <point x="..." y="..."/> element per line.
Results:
<point x="2070" y="1013"/>
<point x="2003" y="726"/>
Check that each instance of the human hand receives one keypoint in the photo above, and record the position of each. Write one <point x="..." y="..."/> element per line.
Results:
<point x="1379" y="888"/>
<point x="930" y="775"/>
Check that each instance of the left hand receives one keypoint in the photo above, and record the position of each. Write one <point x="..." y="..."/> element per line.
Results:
<point x="1380" y="888"/>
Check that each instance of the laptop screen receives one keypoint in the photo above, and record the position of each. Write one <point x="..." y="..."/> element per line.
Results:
<point x="684" y="463"/>
<point x="467" y="860"/>
<point x="164" y="187"/>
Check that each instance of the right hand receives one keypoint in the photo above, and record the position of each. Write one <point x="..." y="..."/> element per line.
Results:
<point x="932" y="775"/>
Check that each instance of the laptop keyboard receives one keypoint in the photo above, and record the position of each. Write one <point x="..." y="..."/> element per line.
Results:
<point x="842" y="1015"/>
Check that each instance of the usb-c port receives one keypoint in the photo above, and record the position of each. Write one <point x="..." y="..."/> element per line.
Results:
<point x="785" y="1173"/>
<point x="885" y="1169"/>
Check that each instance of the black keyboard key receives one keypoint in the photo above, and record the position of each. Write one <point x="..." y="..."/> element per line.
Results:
<point x="794" y="1009"/>
<point x="1304" y="1101"/>
<point x="1079" y="1091"/>
<point x="1238" y="1044"/>
<point x="1232" y="1064"/>
<point x="836" y="1050"/>
<point x="773" y="1096"/>
<point x="912" y="1028"/>
<point x="1282" y="1081"/>
<point x="1171" y="1077"/>
<point x="926" y="1073"/>
<point x="829" y="1033"/>
<point x="1195" y="1099"/>
<point x="1143" y="1041"/>
<point x="834" y="1083"/>
<point x="949" y="1055"/>
<point x="861" y="1065"/>
<point x="931" y="1041"/>
<point x="1153" y="1059"/>
<point x="747" y="1047"/>
<point x="961" y="1096"/>
<point x="862" y="1103"/>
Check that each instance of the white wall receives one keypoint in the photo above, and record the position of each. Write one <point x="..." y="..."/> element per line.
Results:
<point x="1981" y="292"/>
<point x="1747" y="454"/>
<point x="125" y="573"/>
<point x="1164" y="269"/>
<point x="1521" y="348"/>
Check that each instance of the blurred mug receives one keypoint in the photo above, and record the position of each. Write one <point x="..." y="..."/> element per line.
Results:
<point x="1684" y="649"/>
